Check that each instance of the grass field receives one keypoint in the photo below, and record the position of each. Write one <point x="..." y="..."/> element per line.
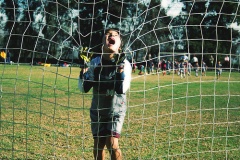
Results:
<point x="43" y="115"/>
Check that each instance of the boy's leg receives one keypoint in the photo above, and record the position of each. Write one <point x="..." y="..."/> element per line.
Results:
<point x="113" y="148"/>
<point x="98" y="150"/>
<point x="97" y="127"/>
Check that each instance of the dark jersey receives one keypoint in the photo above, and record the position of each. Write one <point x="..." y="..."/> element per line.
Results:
<point x="109" y="86"/>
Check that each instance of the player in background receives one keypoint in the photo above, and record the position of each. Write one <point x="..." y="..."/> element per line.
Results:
<point x="218" y="69"/>
<point x="204" y="68"/>
<point x="182" y="69"/>
<point x="176" y="66"/>
<point x="189" y="68"/>
<point x="196" y="68"/>
<point x="150" y="64"/>
<point x="163" y="67"/>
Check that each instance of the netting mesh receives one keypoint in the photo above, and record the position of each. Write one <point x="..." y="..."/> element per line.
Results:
<point x="178" y="112"/>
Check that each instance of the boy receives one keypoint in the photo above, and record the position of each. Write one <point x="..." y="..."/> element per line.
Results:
<point x="109" y="74"/>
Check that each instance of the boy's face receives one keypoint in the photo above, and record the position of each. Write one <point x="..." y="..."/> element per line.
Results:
<point x="111" y="42"/>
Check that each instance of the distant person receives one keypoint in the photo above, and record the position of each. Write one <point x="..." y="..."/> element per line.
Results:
<point x="204" y="68"/>
<point x="194" y="59"/>
<point x="149" y="64"/>
<point x="163" y="67"/>
<point x="175" y="66"/>
<point x="8" y="58"/>
<point x="196" y="68"/>
<point x="184" y="58"/>
<point x="189" y="68"/>
<point x="134" y="66"/>
<point x="227" y="62"/>
<point x="195" y="65"/>
<point x="218" y="69"/>
<point x="141" y="68"/>
<point x="182" y="69"/>
<point x="158" y="66"/>
<point x="168" y="67"/>
<point x="211" y="60"/>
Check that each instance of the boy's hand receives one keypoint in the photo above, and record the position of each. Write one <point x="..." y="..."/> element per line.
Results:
<point x="119" y="59"/>
<point x="84" y="70"/>
<point x="120" y="67"/>
<point x="84" y="57"/>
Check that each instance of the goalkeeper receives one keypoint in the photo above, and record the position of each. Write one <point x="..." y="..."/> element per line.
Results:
<point x="109" y="74"/>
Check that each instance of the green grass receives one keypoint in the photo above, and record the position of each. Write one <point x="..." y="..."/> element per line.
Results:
<point x="43" y="115"/>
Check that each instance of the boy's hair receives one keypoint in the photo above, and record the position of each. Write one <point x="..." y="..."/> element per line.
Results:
<point x="112" y="29"/>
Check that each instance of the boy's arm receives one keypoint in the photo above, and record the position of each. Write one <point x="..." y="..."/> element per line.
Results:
<point x="85" y="81"/>
<point x="123" y="78"/>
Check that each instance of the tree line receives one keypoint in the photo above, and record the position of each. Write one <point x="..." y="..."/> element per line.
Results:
<point x="54" y="30"/>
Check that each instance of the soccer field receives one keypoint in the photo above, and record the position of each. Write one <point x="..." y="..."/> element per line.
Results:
<point x="43" y="115"/>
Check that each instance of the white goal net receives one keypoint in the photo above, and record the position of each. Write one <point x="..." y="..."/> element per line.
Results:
<point x="183" y="102"/>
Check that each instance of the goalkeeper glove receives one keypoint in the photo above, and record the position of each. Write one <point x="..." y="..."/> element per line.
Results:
<point x="84" y="57"/>
<point x="119" y="59"/>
